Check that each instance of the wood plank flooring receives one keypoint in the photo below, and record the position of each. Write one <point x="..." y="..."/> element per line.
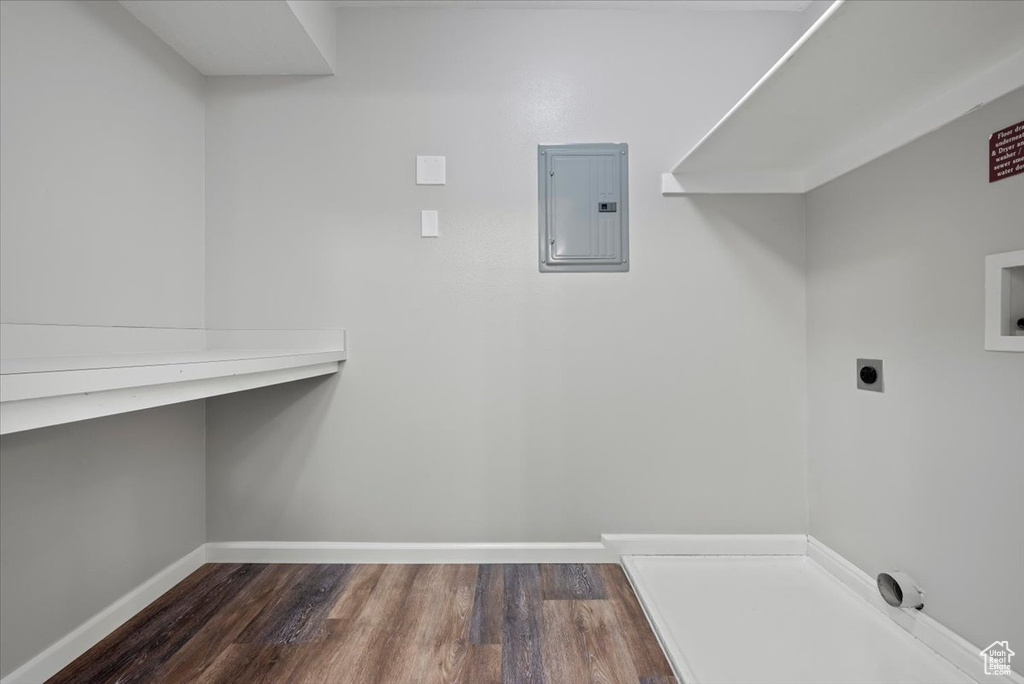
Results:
<point x="385" y="624"/>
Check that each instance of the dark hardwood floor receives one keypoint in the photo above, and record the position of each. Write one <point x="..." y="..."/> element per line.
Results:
<point x="386" y="624"/>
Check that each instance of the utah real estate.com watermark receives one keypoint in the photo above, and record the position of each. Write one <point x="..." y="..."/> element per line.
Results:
<point x="997" y="658"/>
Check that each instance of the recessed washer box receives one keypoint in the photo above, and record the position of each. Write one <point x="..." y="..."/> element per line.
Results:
<point x="583" y="197"/>
<point x="1004" y="301"/>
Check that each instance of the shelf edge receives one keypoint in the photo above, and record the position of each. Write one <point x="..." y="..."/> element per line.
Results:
<point x="801" y="41"/>
<point x="29" y="414"/>
<point x="675" y="185"/>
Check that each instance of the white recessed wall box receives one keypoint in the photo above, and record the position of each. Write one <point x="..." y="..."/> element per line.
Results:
<point x="583" y="197"/>
<point x="1004" y="301"/>
<point x="430" y="171"/>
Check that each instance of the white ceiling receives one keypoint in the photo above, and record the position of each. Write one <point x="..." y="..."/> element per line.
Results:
<point x="724" y="5"/>
<point x="278" y="37"/>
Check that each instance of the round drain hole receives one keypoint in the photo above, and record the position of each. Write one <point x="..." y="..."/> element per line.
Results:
<point x="868" y="375"/>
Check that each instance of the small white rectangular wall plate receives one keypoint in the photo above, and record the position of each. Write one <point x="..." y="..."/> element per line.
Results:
<point x="428" y="223"/>
<point x="1004" y="301"/>
<point x="430" y="171"/>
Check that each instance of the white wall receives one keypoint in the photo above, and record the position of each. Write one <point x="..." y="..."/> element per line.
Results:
<point x="102" y="170"/>
<point x="89" y="511"/>
<point x="927" y="476"/>
<point x="482" y="399"/>
<point x="101" y="223"/>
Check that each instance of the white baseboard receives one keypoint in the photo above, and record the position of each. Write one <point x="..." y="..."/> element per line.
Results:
<point x="378" y="552"/>
<point x="90" y="632"/>
<point x="705" y="544"/>
<point x="945" y="642"/>
<point x="925" y="628"/>
<point x="609" y="550"/>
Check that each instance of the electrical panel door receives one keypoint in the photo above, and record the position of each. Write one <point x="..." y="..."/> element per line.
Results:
<point x="584" y="202"/>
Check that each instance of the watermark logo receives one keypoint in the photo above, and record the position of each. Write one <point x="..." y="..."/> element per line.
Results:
<point x="997" y="658"/>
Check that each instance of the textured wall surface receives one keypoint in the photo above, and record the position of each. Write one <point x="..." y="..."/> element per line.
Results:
<point x="927" y="476"/>
<point x="484" y="400"/>
<point x="90" y="510"/>
<point x="102" y="170"/>
<point x="101" y="223"/>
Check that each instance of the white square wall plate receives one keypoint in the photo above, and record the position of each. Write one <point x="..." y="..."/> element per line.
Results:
<point x="431" y="170"/>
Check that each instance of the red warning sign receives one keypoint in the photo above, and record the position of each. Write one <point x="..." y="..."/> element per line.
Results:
<point x="1006" y="152"/>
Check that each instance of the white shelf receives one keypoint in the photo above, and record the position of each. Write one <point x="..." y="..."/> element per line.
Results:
<point x="265" y="38"/>
<point x="41" y="391"/>
<point x="866" y="78"/>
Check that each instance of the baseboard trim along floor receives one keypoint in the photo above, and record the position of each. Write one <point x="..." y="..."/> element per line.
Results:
<point x="375" y="552"/>
<point x="92" y="631"/>
<point x="611" y="549"/>
<point x="705" y="544"/>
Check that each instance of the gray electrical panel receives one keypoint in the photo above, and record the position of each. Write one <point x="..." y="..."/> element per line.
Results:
<point x="584" y="207"/>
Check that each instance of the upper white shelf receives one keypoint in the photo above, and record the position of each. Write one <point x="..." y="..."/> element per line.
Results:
<point x="866" y="78"/>
<point x="245" y="37"/>
<point x="40" y="391"/>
